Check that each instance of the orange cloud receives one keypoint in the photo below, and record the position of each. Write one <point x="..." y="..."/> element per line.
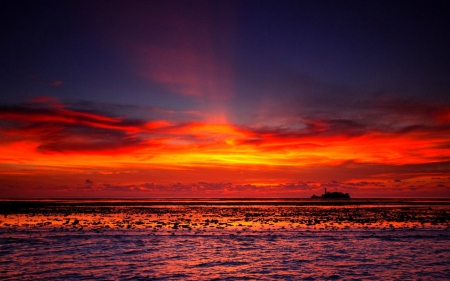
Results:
<point x="59" y="137"/>
<point x="57" y="129"/>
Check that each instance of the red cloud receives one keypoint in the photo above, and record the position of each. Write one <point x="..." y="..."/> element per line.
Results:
<point x="58" y="129"/>
<point x="53" y="128"/>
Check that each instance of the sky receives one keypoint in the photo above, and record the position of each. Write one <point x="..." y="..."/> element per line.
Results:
<point x="145" y="99"/>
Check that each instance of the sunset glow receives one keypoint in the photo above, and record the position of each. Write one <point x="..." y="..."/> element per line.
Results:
<point x="234" y="101"/>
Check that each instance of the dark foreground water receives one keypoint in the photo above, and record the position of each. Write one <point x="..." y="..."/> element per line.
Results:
<point x="254" y="240"/>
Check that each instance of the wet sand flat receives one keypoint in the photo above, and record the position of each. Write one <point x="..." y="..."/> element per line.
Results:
<point x="222" y="215"/>
<point x="219" y="239"/>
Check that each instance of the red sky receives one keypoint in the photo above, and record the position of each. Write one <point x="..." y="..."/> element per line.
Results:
<point x="51" y="150"/>
<point x="224" y="99"/>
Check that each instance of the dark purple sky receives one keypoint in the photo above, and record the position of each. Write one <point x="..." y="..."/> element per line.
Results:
<point x="305" y="52"/>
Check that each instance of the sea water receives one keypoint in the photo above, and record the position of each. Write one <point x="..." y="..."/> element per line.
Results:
<point x="225" y="240"/>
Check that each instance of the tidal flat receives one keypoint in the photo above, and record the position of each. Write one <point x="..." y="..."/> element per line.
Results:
<point x="199" y="239"/>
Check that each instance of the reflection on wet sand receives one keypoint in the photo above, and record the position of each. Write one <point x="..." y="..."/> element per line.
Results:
<point x="199" y="219"/>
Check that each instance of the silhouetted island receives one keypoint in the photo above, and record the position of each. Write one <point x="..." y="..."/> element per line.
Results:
<point x="335" y="194"/>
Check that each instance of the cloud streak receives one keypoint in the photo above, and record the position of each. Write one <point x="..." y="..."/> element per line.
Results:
<point x="413" y="187"/>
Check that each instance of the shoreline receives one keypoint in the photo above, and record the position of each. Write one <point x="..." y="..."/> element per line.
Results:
<point x="176" y="217"/>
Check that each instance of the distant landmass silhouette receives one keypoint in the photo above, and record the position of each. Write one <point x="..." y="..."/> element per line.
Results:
<point x="335" y="194"/>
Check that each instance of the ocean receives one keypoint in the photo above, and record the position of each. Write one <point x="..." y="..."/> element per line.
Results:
<point x="225" y="239"/>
